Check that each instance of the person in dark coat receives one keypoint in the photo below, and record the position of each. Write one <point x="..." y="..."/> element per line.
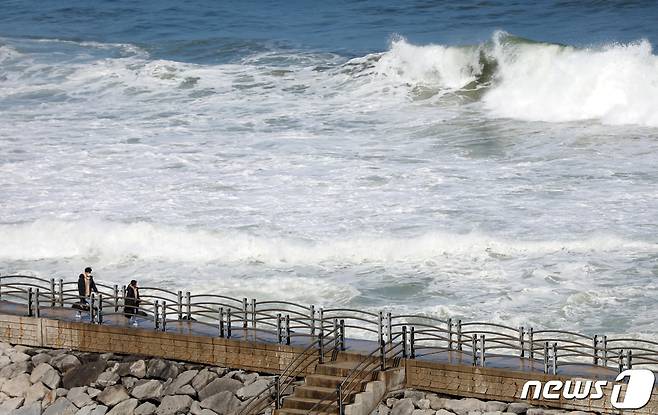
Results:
<point x="86" y="286"/>
<point x="131" y="301"/>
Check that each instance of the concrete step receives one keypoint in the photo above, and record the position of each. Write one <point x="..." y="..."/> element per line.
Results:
<point x="294" y="402"/>
<point x="315" y="392"/>
<point x="325" y="381"/>
<point x="339" y="368"/>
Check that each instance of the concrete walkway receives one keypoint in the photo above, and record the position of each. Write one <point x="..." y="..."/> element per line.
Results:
<point x="352" y="345"/>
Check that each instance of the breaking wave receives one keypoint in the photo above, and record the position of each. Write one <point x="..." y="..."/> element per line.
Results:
<point x="113" y="242"/>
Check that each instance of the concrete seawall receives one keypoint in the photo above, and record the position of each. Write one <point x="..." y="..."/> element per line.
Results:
<point x="453" y="379"/>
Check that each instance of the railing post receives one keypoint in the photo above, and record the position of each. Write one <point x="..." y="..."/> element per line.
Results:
<point x="522" y="341"/>
<point x="412" y="345"/>
<point x="228" y="323"/>
<point x="474" y="347"/>
<point x="546" y="357"/>
<point x="278" y="329"/>
<point x="253" y="313"/>
<point x="621" y="360"/>
<point x="629" y="359"/>
<point x="449" y="323"/>
<point x="404" y="342"/>
<point x="36" y="303"/>
<point x="288" y="329"/>
<point x="92" y="306"/>
<point x="221" y="321"/>
<point x="156" y="314"/>
<point x="100" y="308"/>
<point x="555" y="358"/>
<point x="482" y="351"/>
<point x="459" y="335"/>
<point x="277" y="392"/>
<point x="321" y="315"/>
<point x="605" y="350"/>
<point x="342" y="334"/>
<point x="532" y="343"/>
<point x="188" y="297"/>
<point x="312" y="317"/>
<point x="164" y="316"/>
<point x="389" y="328"/>
<point x="596" y="350"/>
<point x="382" y="356"/>
<point x="52" y="292"/>
<point x="180" y="305"/>
<point x="321" y="346"/>
<point x="245" y="313"/>
<point x="61" y="292"/>
<point x="380" y="327"/>
<point x="116" y="298"/>
<point x="336" y="334"/>
<point x="339" y="400"/>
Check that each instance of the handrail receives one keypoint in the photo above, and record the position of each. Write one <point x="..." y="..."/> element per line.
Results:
<point x="478" y="339"/>
<point x="294" y="369"/>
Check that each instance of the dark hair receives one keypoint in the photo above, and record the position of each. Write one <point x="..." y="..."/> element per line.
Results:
<point x="88" y="269"/>
<point x="133" y="282"/>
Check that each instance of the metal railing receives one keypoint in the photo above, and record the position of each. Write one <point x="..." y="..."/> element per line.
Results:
<point x="285" y="322"/>
<point x="315" y="353"/>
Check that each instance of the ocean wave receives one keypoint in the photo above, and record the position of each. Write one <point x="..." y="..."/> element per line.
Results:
<point x="534" y="81"/>
<point x="507" y="77"/>
<point x="113" y="242"/>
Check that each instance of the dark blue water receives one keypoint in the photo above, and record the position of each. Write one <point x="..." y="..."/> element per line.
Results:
<point x="219" y="31"/>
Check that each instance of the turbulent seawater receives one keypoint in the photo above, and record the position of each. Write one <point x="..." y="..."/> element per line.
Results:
<point x="372" y="157"/>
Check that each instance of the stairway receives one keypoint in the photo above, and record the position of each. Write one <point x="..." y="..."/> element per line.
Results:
<point x="318" y="387"/>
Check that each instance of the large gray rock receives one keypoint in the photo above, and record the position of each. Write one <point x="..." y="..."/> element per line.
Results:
<point x="224" y="403"/>
<point x="518" y="407"/>
<point x="4" y="361"/>
<point x="247" y="378"/>
<point x="161" y="369"/>
<point x="17" y="386"/>
<point x="106" y="379"/>
<point x="61" y="406"/>
<point x="11" y="404"/>
<point x="180" y="381"/>
<point x="92" y="410"/>
<point x="403" y="407"/>
<point x="203" y="378"/>
<point x="414" y="395"/>
<point x="39" y="358"/>
<point x="35" y="393"/>
<point x="84" y="374"/>
<point x="174" y="404"/>
<point x="45" y="374"/>
<point x="253" y="389"/>
<point x="126" y="407"/>
<point x="147" y="408"/>
<point x="147" y="389"/>
<point x="18" y="357"/>
<point x="112" y="395"/>
<point x="186" y="390"/>
<point x="436" y="403"/>
<point x="495" y="406"/>
<point x="422" y="404"/>
<point x="138" y="369"/>
<point x="79" y="397"/>
<point x="465" y="406"/>
<point x="64" y="362"/>
<point x="14" y="369"/>
<point x="32" y="409"/>
<point x="220" y="385"/>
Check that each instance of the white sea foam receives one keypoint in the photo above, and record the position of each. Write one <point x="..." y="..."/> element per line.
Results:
<point x="116" y="242"/>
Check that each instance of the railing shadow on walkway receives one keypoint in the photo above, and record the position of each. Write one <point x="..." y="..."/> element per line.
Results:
<point x="448" y="341"/>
